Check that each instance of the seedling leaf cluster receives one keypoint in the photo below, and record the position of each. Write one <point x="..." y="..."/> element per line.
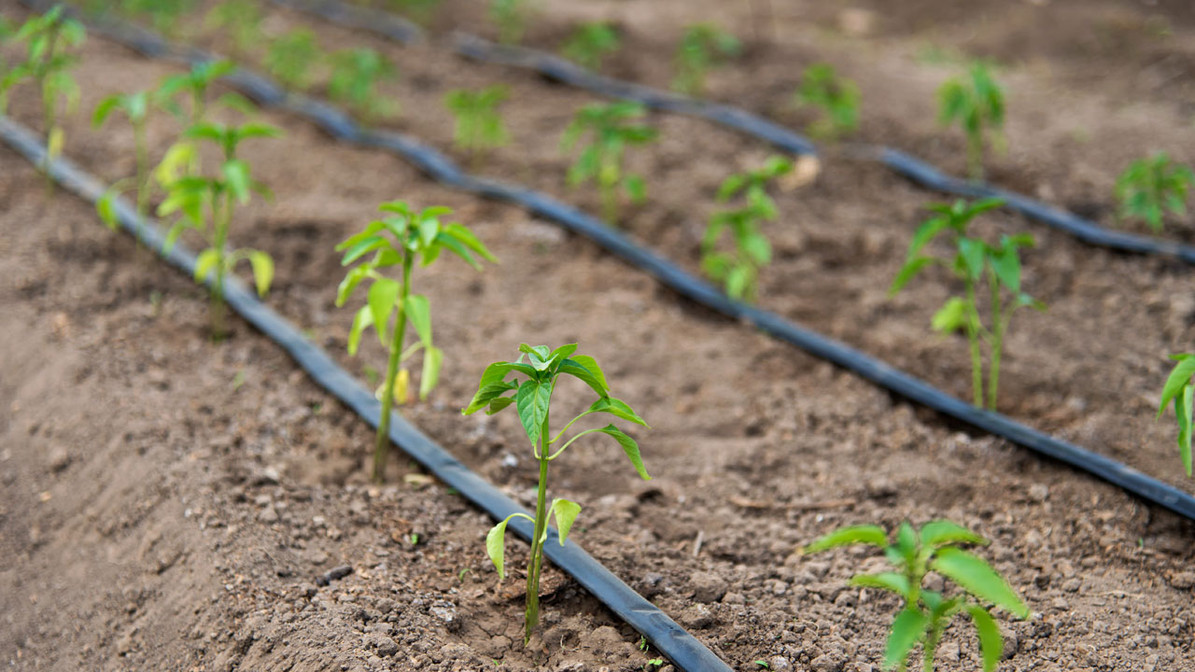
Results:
<point x="738" y="270"/>
<point x="1153" y="186"/>
<point x="610" y="130"/>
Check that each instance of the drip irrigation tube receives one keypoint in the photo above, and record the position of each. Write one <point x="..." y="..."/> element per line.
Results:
<point x="442" y="169"/>
<point x="673" y="641"/>
<point x="384" y="23"/>
<point x="565" y="71"/>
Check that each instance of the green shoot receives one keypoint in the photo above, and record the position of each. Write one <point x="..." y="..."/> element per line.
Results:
<point x="975" y="263"/>
<point x="1180" y="389"/>
<point x="511" y="17"/>
<point x="926" y="613"/>
<point x="532" y="398"/>
<point x="612" y="129"/>
<point x="402" y="237"/>
<point x="591" y="43"/>
<point x="48" y="61"/>
<point x="836" y="97"/>
<point x="976" y="104"/>
<point x="241" y="18"/>
<point x="136" y="107"/>
<point x="194" y="86"/>
<point x="702" y="47"/>
<point x="163" y="15"/>
<point x="10" y="75"/>
<point x="479" y="125"/>
<point x="292" y="57"/>
<point x="738" y="271"/>
<point x="356" y="74"/>
<point x="1151" y="186"/>
<point x="206" y="204"/>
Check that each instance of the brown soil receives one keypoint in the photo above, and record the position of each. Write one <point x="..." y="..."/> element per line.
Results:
<point x="169" y="503"/>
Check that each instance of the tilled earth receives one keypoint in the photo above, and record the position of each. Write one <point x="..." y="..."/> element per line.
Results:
<point x="170" y="503"/>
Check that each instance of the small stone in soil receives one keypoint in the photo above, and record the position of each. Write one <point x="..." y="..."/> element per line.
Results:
<point x="333" y="574"/>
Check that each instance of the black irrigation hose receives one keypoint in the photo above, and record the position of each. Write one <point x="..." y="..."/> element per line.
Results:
<point x="442" y="169"/>
<point x="384" y="23"/>
<point x="673" y="641"/>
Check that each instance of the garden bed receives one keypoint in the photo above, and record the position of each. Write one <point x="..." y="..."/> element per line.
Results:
<point x="755" y="451"/>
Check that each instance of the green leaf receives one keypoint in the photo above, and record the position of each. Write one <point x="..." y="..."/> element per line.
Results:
<point x="1183" y="411"/>
<point x="349" y="284"/>
<point x="907" y="273"/>
<point x="106" y="208"/>
<point x="419" y="313"/>
<point x="617" y="408"/>
<point x="991" y="641"/>
<point x="629" y="447"/>
<point x="457" y="247"/>
<point x="636" y="188"/>
<point x="1007" y="266"/>
<point x="383" y="294"/>
<point x="978" y="578"/>
<point x="363" y="247"/>
<point x="433" y="359"/>
<point x="907" y="630"/>
<point x="1179" y="378"/>
<point x="205" y="263"/>
<point x="470" y="241"/>
<point x="891" y="581"/>
<point x="531" y="401"/>
<point x="951" y="317"/>
<point x="236" y="175"/>
<point x="586" y="369"/>
<point x="498" y="404"/>
<point x="361" y="320"/>
<point x="942" y="532"/>
<point x="873" y="535"/>
<point x="103" y="110"/>
<point x="263" y="270"/>
<point x="493" y="384"/>
<point x="565" y="513"/>
<point x="495" y="546"/>
<point x="973" y="253"/>
<point x="563" y="351"/>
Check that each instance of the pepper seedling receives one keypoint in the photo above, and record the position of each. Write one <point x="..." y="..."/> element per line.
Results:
<point x="511" y="17"/>
<point x="612" y="129"/>
<point x="402" y="237"/>
<point x="194" y="86"/>
<point x="241" y="18"/>
<point x="975" y="263"/>
<point x="356" y="74"/>
<point x="478" y="125"/>
<point x="1150" y="187"/>
<point x="10" y="75"/>
<point x="532" y="398"/>
<point x="926" y="614"/>
<point x="163" y="15"/>
<point x="591" y="43"/>
<point x="48" y="61"/>
<point x="738" y="271"/>
<point x="206" y="204"/>
<point x="702" y="47"/>
<point x="836" y="97"/>
<point x="1180" y="389"/>
<point x="292" y="57"/>
<point x="976" y="104"/>
<point x="136" y="107"/>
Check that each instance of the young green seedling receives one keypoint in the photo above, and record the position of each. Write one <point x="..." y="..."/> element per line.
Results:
<point x="591" y="43"/>
<point x="976" y="104"/>
<point x="738" y="271"/>
<point x="1151" y="186"/>
<point x="292" y="57"/>
<point x="163" y="15"/>
<point x="511" y="17"/>
<point x="836" y="97"/>
<point x="206" y="204"/>
<point x="194" y="86"/>
<point x="612" y="129"/>
<point x="926" y="614"/>
<point x="479" y="125"/>
<point x="136" y="107"/>
<point x="402" y="237"/>
<point x="532" y="398"/>
<point x="975" y="263"/>
<point x="1180" y="388"/>
<point x="48" y="61"/>
<point x="241" y="18"/>
<point x="356" y="74"/>
<point x="702" y="47"/>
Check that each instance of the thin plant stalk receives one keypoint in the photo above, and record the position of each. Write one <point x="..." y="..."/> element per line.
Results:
<point x="216" y="313"/>
<point x="381" y="444"/>
<point x="974" y="327"/>
<point x="531" y="614"/>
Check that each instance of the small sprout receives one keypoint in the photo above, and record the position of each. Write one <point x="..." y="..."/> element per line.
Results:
<point x="1180" y="389"/>
<point x="975" y="262"/>
<point x="194" y="86"/>
<point x="531" y="398"/>
<point x="653" y="664"/>
<point x="460" y="576"/>
<point x="356" y="74"/>
<point x="479" y="126"/>
<point x="926" y="614"/>
<point x="238" y="380"/>
<point x="136" y="107"/>
<point x="413" y="538"/>
<point x="292" y="57"/>
<point x="643" y="645"/>
<point x="612" y="129"/>
<point x="163" y="15"/>
<point x="511" y="17"/>
<point x="591" y="43"/>
<point x="48" y="61"/>
<point x="738" y="271"/>
<point x="975" y="103"/>
<point x="702" y="47"/>
<point x="241" y="18"/>
<point x="1151" y="186"/>
<point x="402" y="237"/>
<point x="206" y="204"/>
<point x="836" y="97"/>
<point x="763" y="664"/>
